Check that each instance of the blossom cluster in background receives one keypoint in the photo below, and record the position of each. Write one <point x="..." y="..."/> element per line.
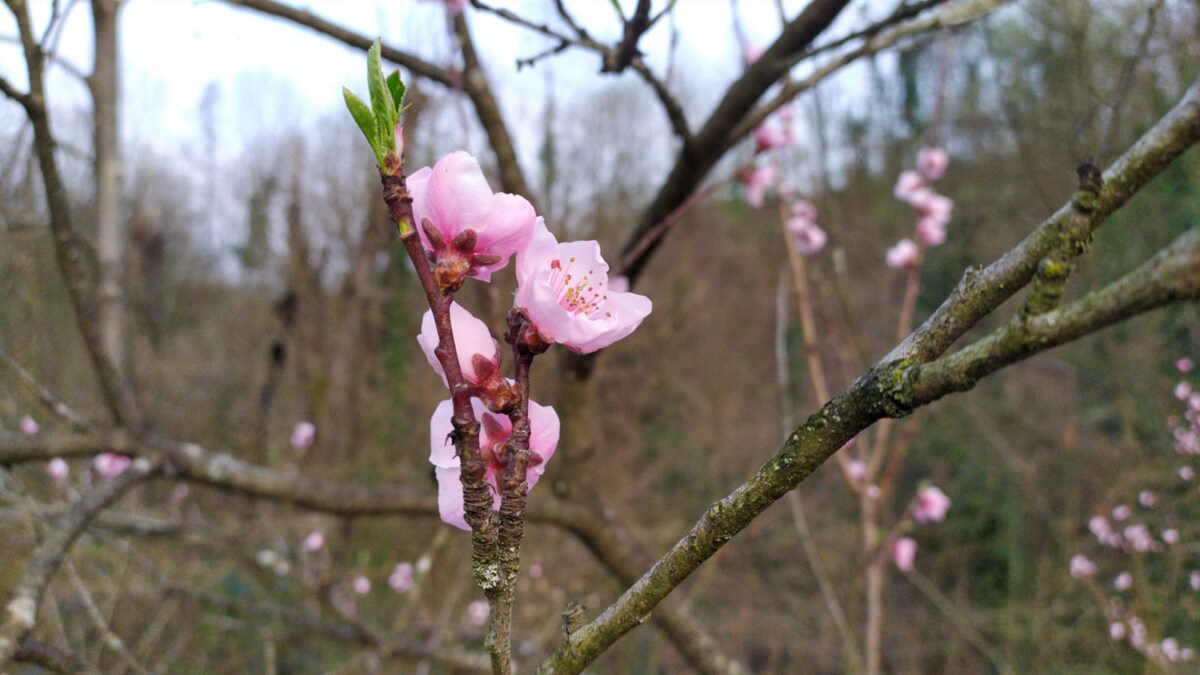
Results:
<point x="932" y="209"/>
<point x="929" y="506"/>
<point x="1133" y="537"/>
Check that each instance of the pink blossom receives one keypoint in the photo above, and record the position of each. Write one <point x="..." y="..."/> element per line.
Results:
<point x="758" y="182"/>
<point x="1170" y="649"/>
<point x="904" y="254"/>
<point x="1183" y="390"/>
<point x="1170" y="536"/>
<point x="1121" y="512"/>
<point x="401" y="579"/>
<point x="932" y="162"/>
<point x="314" y="542"/>
<point x="907" y="185"/>
<point x="856" y="469"/>
<point x="361" y="584"/>
<point x="1116" y="630"/>
<point x="303" y="435"/>
<point x="931" y="231"/>
<point x="1082" y="568"/>
<point x="804" y="210"/>
<point x="58" y="469"/>
<point x="1187" y="472"/>
<point x="931" y="505"/>
<point x="873" y="491"/>
<point x="1184" y="364"/>
<point x="771" y="135"/>
<point x="904" y="553"/>
<point x="807" y="236"/>
<point x="29" y="426"/>
<point x="1147" y="499"/>
<point x="495" y="431"/>
<point x="1139" y="537"/>
<point x="110" y="464"/>
<point x="471" y="339"/>
<point x="478" y="612"/>
<point x="563" y="290"/>
<point x="1194" y="580"/>
<point x="536" y="571"/>
<point x="753" y="53"/>
<point x="1099" y="527"/>
<point x="933" y="206"/>
<point x="1123" y="581"/>
<point x="470" y="230"/>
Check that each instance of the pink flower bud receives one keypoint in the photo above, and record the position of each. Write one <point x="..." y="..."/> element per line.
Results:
<point x="932" y="162"/>
<point x="1082" y="568"/>
<point x="58" y="469"/>
<point x="931" y="231"/>
<point x="110" y="464"/>
<point x="303" y="435"/>
<point x="931" y="505"/>
<point x="904" y="553"/>
<point x="362" y="585"/>
<point x="314" y="542"/>
<point x="401" y="579"/>
<point x="478" y="612"/>
<point x="471" y="338"/>
<point x="904" y="254"/>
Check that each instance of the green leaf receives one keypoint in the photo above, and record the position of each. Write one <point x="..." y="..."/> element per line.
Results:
<point x="381" y="99"/>
<point x="397" y="88"/>
<point x="364" y="119"/>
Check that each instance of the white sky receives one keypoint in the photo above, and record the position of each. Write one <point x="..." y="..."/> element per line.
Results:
<point x="171" y="49"/>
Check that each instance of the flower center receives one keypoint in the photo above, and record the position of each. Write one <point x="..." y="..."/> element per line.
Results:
<point x="577" y="294"/>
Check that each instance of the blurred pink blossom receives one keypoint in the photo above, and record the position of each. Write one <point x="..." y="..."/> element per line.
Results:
<point x="1194" y="580"/>
<point x="563" y="290"/>
<point x="471" y="338"/>
<point x="110" y="464"/>
<point x="1170" y="536"/>
<point x="1099" y="527"/>
<point x="904" y="254"/>
<point x="1187" y="472"/>
<point x="1147" y="499"/>
<point x="904" y="553"/>
<point x="1123" y="581"/>
<point x="1183" y="390"/>
<point x="907" y="185"/>
<point x="1082" y="568"/>
<point x="29" y="426"/>
<point x="1184" y="364"/>
<point x="1139" y="537"/>
<point x="495" y="431"/>
<point x="1121" y="512"/>
<point x="58" y="469"/>
<point x="931" y="231"/>
<point x="536" y="571"/>
<point x="471" y="230"/>
<point x="758" y="182"/>
<point x="362" y="585"/>
<point x="303" y="435"/>
<point x="857" y="470"/>
<point x="932" y="162"/>
<point x="401" y="579"/>
<point x="933" y="206"/>
<point x="314" y="542"/>
<point x="1117" y="630"/>
<point x="772" y="134"/>
<point x="931" y="505"/>
<point x="478" y="612"/>
<point x="808" y="237"/>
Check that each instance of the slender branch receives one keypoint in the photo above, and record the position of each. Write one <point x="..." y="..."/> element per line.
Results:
<point x="21" y="609"/>
<point x="15" y="94"/>
<point x="52" y="403"/>
<point x="111" y="639"/>
<point x="956" y="618"/>
<point x="52" y="658"/>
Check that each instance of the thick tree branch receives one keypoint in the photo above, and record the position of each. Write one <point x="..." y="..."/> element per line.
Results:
<point x="894" y="388"/>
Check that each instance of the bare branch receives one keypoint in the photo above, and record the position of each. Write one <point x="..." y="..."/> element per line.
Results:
<point x="21" y="609"/>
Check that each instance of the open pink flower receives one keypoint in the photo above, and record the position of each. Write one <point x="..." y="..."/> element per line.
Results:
<point x="758" y="182"/>
<point x="932" y="162"/>
<point x="29" y="426"/>
<point x="110" y="464"/>
<point x="809" y="238"/>
<point x="494" y="432"/>
<point x="904" y="254"/>
<point x="931" y="505"/>
<point x="904" y="553"/>
<point x="563" y="289"/>
<point x="772" y="135"/>
<point x="470" y="231"/>
<point x="471" y="339"/>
